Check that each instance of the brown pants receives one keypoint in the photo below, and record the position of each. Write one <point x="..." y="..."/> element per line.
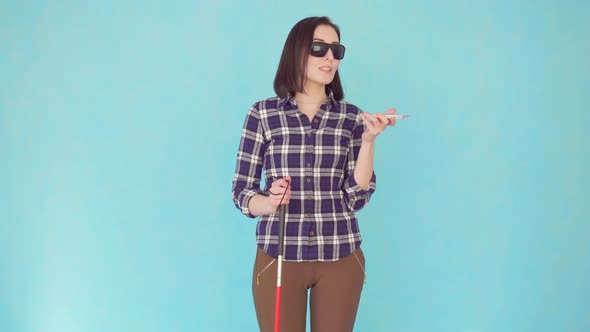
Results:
<point x="335" y="290"/>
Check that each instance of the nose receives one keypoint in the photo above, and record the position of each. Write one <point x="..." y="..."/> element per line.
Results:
<point x="329" y="55"/>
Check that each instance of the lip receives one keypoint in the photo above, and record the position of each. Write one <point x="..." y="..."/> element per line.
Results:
<point x="325" y="68"/>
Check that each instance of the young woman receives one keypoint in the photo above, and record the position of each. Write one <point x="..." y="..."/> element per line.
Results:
<point x="316" y="154"/>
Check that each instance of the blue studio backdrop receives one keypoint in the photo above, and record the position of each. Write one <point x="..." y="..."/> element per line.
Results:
<point x="119" y="128"/>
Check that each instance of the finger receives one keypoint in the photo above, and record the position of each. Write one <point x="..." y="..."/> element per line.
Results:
<point x="369" y="125"/>
<point x="391" y="111"/>
<point x="281" y="183"/>
<point x="276" y="192"/>
<point x="370" y="117"/>
<point x="382" y="119"/>
<point x="281" y="188"/>
<point x="286" y="181"/>
<point x="392" y="121"/>
<point x="276" y="189"/>
<point x="278" y="198"/>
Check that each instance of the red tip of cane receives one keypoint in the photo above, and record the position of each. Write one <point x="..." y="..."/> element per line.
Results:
<point x="278" y="309"/>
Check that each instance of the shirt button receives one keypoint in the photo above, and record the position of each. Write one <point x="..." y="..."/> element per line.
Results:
<point x="308" y="180"/>
<point x="308" y="135"/>
<point x="308" y="215"/>
<point x="315" y="120"/>
<point x="308" y="165"/>
<point x="311" y="233"/>
<point x="308" y="196"/>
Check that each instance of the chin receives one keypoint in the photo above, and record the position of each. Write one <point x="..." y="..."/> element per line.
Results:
<point x="323" y="80"/>
<point x="327" y="81"/>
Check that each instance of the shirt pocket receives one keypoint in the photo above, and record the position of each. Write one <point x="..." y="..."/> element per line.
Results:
<point x="333" y="153"/>
<point x="282" y="151"/>
<point x="339" y="152"/>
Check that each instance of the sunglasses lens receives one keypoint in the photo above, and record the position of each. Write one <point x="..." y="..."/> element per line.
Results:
<point x="338" y="51"/>
<point x="320" y="49"/>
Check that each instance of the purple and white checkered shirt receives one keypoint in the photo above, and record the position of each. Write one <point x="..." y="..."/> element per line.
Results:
<point x="320" y="156"/>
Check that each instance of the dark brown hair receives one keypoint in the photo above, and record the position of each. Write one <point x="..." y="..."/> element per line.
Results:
<point x="290" y="76"/>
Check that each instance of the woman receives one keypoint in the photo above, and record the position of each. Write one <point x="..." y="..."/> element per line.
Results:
<point x="316" y="152"/>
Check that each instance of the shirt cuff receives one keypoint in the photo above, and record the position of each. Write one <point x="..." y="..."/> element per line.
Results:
<point x="245" y="198"/>
<point x="355" y="192"/>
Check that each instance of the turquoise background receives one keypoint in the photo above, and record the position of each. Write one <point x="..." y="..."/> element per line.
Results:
<point x="120" y="123"/>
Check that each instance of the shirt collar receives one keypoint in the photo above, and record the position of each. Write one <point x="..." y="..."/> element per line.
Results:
<point x="332" y="101"/>
<point x="288" y="103"/>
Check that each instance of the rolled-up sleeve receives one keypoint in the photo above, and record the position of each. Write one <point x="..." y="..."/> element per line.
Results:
<point x="356" y="198"/>
<point x="246" y="182"/>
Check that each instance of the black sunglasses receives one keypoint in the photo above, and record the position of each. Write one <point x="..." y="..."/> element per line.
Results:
<point x="319" y="49"/>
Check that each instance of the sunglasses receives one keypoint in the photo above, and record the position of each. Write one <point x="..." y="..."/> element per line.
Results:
<point x="319" y="49"/>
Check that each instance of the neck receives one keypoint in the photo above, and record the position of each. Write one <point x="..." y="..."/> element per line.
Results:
<point x="314" y="94"/>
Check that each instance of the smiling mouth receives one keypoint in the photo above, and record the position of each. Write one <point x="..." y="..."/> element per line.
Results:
<point x="326" y="69"/>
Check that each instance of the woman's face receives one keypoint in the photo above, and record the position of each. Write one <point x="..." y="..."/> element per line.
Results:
<point x="321" y="70"/>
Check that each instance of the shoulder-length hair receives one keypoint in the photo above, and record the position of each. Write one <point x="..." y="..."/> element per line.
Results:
<point x="290" y="77"/>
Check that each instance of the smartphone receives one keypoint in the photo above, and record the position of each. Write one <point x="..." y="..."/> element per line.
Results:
<point x="397" y="116"/>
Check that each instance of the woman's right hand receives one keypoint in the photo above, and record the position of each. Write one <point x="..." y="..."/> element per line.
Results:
<point x="277" y="189"/>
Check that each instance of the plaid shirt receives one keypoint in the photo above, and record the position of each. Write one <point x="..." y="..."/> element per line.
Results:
<point x="320" y="156"/>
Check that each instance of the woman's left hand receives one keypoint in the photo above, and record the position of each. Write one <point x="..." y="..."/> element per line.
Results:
<point x="375" y="124"/>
